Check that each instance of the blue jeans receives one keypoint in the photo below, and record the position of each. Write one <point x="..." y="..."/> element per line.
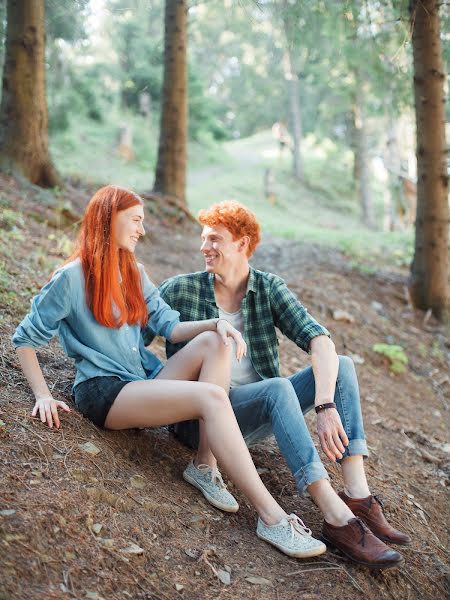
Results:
<point x="277" y="406"/>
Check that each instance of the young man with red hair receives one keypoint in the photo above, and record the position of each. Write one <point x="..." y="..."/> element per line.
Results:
<point x="257" y="303"/>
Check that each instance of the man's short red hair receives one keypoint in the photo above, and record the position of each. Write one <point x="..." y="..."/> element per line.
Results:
<point x="235" y="217"/>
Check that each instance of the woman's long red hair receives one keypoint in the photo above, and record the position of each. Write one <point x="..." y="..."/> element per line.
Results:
<point x="112" y="279"/>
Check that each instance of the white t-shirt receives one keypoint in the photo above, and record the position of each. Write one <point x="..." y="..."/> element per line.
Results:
<point x="241" y="372"/>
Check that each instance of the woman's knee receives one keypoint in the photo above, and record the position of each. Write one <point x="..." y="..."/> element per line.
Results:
<point x="214" y="398"/>
<point x="211" y="341"/>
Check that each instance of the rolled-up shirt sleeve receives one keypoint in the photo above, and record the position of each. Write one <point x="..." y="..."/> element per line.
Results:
<point x="162" y="319"/>
<point x="48" y="308"/>
<point x="292" y="318"/>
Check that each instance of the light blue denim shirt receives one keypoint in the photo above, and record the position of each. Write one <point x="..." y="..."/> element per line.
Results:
<point x="60" y="309"/>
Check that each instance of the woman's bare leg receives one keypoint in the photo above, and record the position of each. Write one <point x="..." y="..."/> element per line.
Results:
<point x="205" y="358"/>
<point x="159" y="402"/>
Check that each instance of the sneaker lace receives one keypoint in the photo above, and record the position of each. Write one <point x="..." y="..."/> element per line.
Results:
<point x="297" y="526"/>
<point x="216" y="476"/>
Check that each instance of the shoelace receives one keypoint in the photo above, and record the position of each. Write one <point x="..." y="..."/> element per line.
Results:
<point x="297" y="526"/>
<point x="216" y="476"/>
<point x="362" y="528"/>
<point x="379" y="501"/>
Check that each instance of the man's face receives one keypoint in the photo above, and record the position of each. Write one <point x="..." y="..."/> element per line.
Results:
<point x="219" y="250"/>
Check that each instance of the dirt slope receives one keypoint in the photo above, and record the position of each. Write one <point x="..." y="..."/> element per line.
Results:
<point x="69" y="520"/>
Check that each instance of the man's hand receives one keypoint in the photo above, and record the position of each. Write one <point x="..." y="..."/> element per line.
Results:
<point x="48" y="410"/>
<point x="226" y="330"/>
<point x="331" y="433"/>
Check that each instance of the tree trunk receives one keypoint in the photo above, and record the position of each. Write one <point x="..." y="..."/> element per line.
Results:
<point x="296" y="116"/>
<point x="393" y="168"/>
<point x="429" y="269"/>
<point x="23" y="113"/>
<point x="170" y="176"/>
<point x="361" y="166"/>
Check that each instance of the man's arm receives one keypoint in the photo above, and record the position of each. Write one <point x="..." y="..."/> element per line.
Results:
<point x="292" y="318"/>
<point x="325" y="364"/>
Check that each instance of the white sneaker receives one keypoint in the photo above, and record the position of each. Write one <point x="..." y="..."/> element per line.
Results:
<point x="209" y="481"/>
<point x="291" y="536"/>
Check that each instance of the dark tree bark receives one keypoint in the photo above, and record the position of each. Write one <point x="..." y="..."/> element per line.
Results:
<point x="23" y="113"/>
<point x="429" y="271"/>
<point x="170" y="176"/>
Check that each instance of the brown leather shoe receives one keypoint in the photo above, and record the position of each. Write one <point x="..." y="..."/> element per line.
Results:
<point x="359" y="544"/>
<point x="370" y="510"/>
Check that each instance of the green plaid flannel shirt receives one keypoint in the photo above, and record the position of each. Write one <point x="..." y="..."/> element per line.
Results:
<point x="267" y="304"/>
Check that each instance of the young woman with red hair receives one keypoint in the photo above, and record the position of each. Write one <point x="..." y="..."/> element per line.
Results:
<point x="97" y="303"/>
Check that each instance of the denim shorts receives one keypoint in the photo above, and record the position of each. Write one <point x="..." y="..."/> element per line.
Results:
<point x="94" y="397"/>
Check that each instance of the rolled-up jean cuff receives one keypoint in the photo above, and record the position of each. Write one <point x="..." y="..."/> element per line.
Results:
<point x="356" y="448"/>
<point x="308" y="474"/>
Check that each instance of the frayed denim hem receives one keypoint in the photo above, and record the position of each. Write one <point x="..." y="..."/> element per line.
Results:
<point x="308" y="474"/>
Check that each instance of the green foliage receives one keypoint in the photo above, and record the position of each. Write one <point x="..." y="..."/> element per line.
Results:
<point x="7" y="296"/>
<point x="10" y="219"/>
<point x="395" y="354"/>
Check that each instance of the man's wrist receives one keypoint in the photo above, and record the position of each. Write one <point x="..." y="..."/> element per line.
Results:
<point x="324" y="406"/>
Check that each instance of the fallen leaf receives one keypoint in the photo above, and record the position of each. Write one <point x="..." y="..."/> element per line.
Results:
<point x="357" y="359"/>
<point x="133" y="549"/>
<point x="258" y="580"/>
<point x="90" y="448"/>
<point x="343" y="315"/>
<point x="96" y="528"/>
<point x="224" y="576"/>
<point x="179" y="587"/>
<point x="7" y="512"/>
<point x="137" y="481"/>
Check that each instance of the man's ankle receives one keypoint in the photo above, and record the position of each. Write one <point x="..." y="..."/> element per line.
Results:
<point x="357" y="492"/>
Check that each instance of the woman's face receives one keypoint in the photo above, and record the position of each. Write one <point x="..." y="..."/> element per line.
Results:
<point x="129" y="227"/>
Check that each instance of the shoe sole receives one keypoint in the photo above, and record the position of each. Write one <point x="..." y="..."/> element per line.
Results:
<point x="300" y="553"/>
<point x="388" y="541"/>
<point x="211" y="500"/>
<point x="373" y="566"/>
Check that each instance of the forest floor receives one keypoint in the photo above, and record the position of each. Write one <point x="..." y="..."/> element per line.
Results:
<point x="89" y="513"/>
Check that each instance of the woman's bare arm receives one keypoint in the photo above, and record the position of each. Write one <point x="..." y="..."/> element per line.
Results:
<point x="46" y="405"/>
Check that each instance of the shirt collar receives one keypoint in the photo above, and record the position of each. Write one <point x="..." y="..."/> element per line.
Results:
<point x="210" y="296"/>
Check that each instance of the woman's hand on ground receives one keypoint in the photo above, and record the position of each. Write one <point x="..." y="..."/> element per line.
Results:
<point x="48" y="410"/>
<point x="226" y="330"/>
<point x="332" y="435"/>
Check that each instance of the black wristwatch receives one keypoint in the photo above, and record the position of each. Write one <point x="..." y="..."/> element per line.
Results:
<point x="321" y="407"/>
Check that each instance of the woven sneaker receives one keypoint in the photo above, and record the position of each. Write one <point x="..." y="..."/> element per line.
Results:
<point x="209" y="481"/>
<point x="291" y="536"/>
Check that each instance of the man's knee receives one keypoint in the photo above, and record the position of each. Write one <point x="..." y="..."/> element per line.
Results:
<point x="280" y="393"/>
<point x="346" y="366"/>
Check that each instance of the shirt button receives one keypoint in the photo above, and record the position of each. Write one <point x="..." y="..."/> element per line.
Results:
<point x="134" y="349"/>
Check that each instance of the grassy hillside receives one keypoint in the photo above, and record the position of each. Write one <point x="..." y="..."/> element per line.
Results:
<point x="324" y="210"/>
